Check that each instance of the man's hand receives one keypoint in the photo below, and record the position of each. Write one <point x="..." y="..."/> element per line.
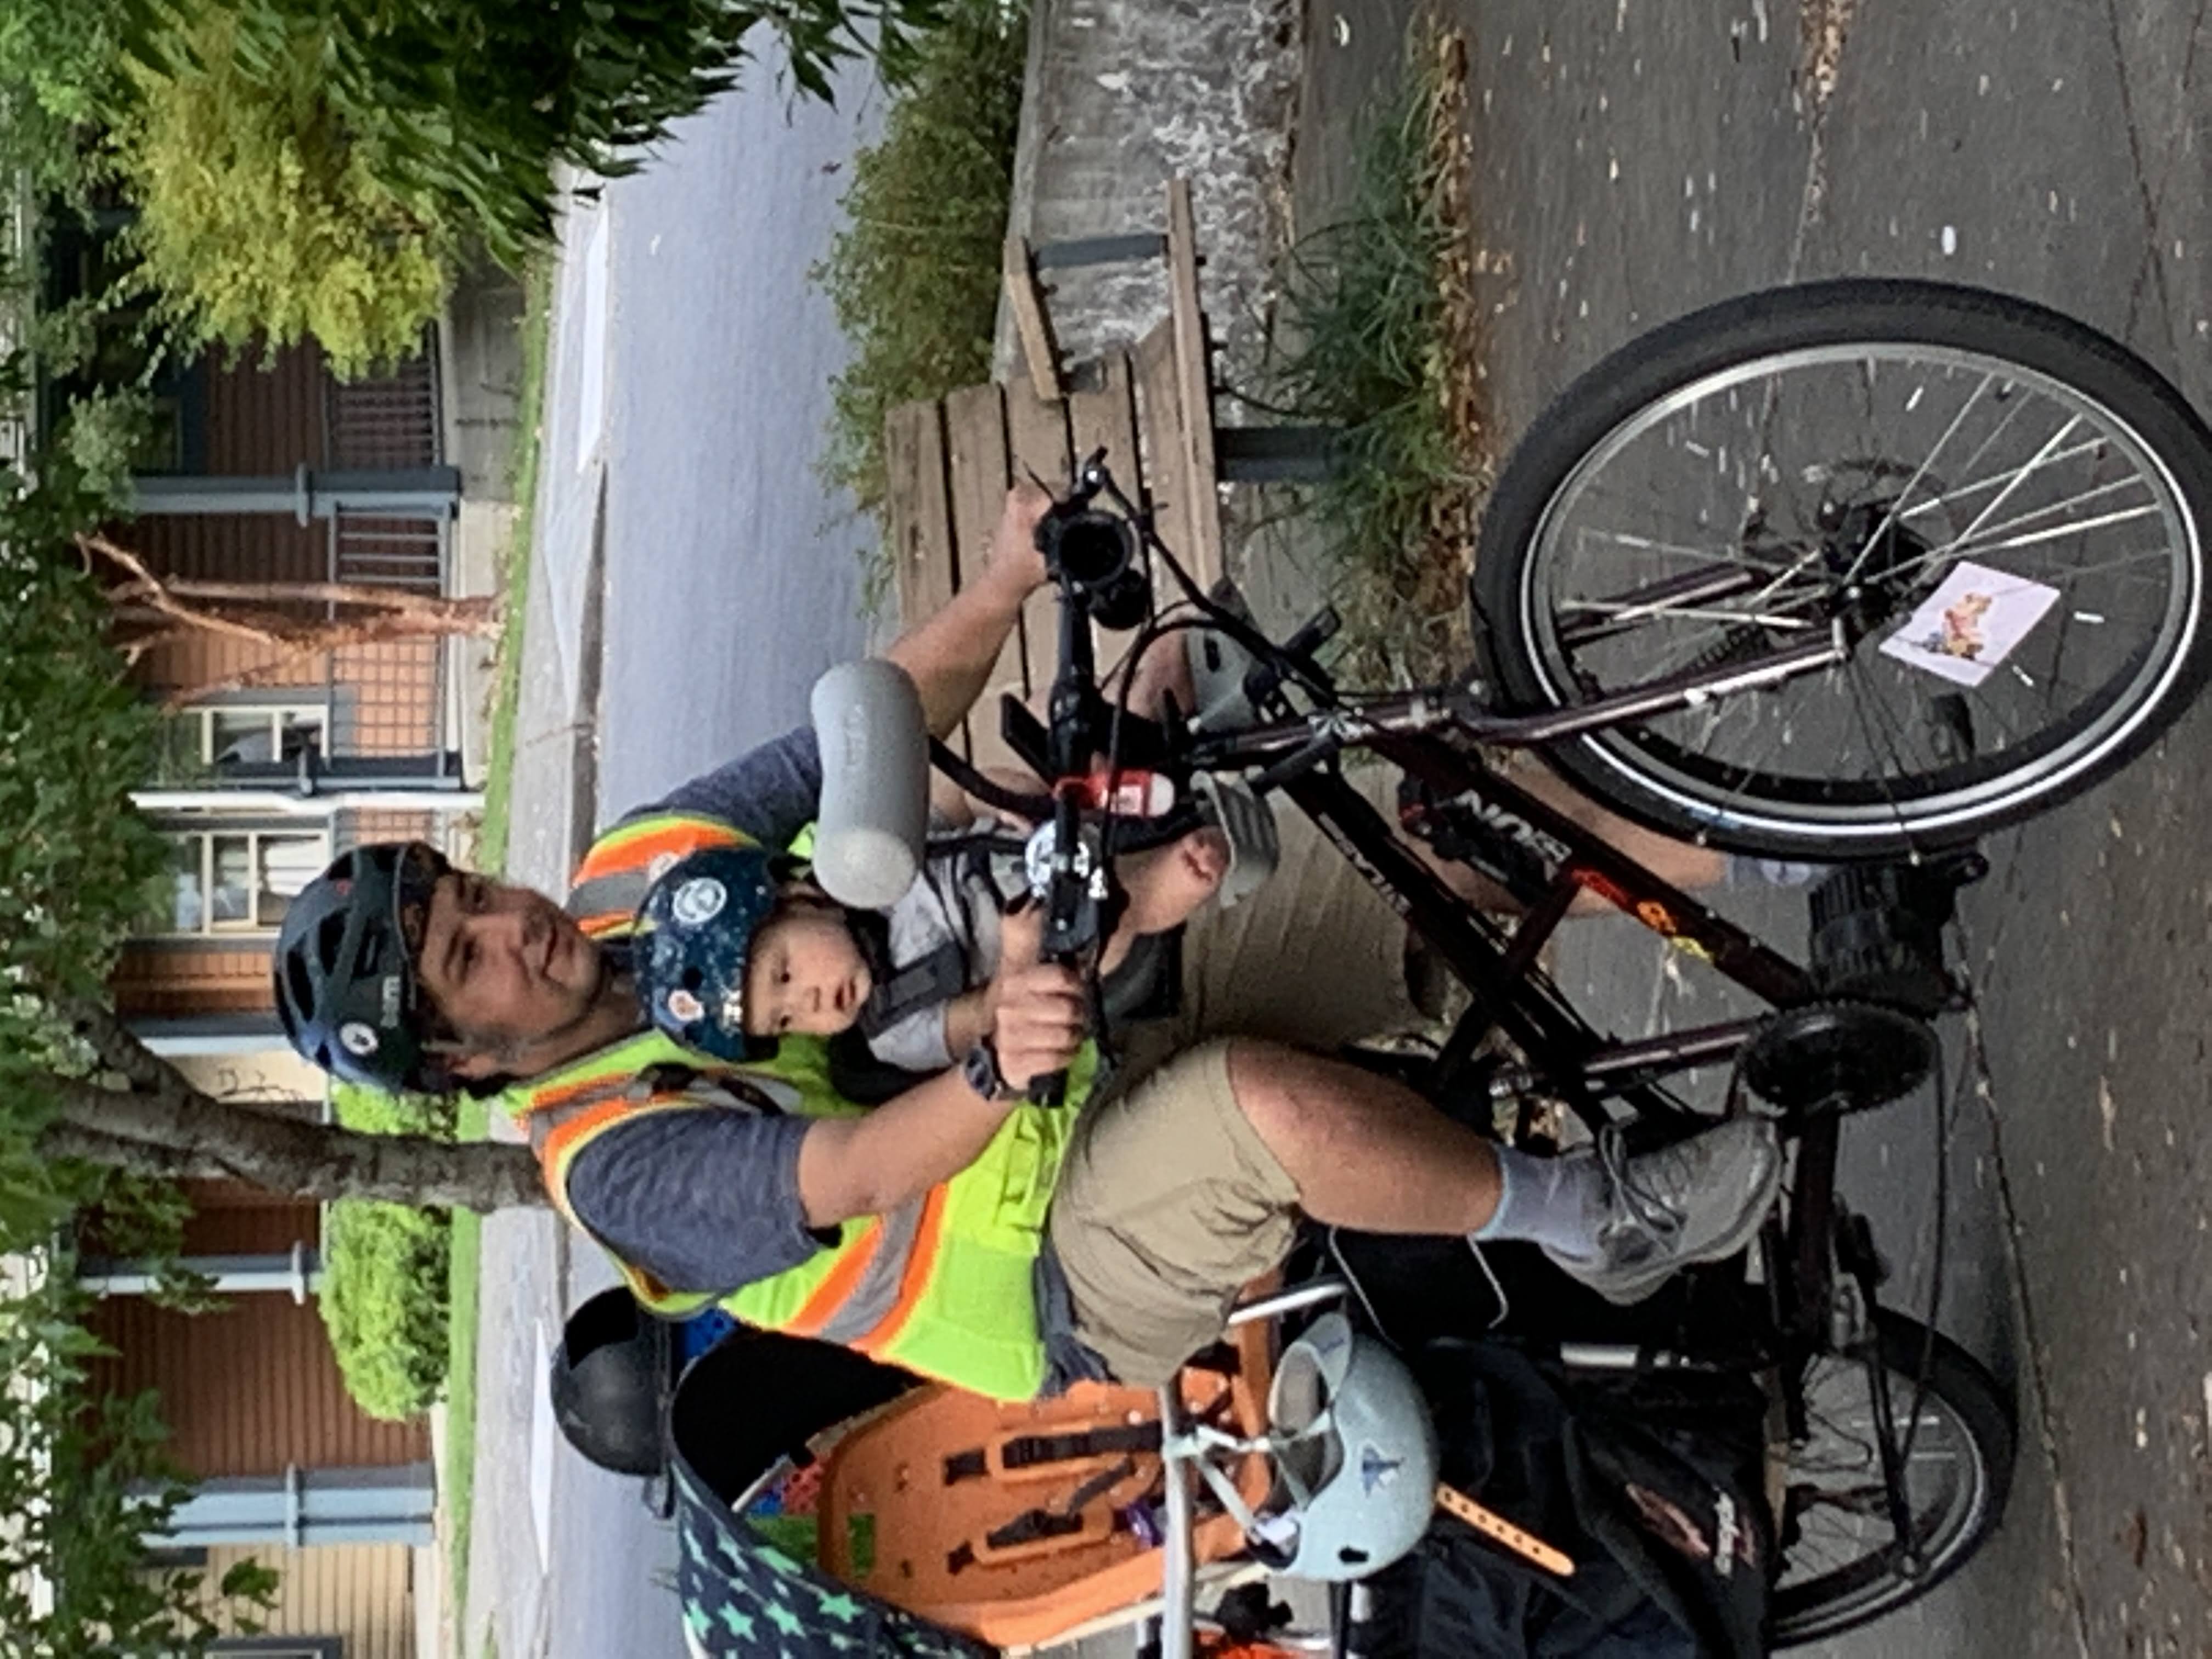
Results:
<point x="1037" y="1010"/>
<point x="950" y="655"/>
<point x="1015" y="561"/>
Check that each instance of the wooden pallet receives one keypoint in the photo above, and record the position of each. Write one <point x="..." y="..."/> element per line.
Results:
<point x="950" y="459"/>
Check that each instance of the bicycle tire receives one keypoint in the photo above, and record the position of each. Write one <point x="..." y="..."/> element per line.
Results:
<point x="1856" y="331"/>
<point x="1875" y="1587"/>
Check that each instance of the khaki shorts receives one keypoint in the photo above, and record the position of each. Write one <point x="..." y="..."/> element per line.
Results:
<point x="1169" y="1205"/>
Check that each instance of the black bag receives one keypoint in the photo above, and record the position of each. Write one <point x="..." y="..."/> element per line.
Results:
<point x="1653" y="1484"/>
<point x="1641" y="1484"/>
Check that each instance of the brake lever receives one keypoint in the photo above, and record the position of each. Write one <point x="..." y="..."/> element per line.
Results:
<point x="1077" y="892"/>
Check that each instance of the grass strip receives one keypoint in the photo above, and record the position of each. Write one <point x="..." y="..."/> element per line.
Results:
<point x="1380" y="339"/>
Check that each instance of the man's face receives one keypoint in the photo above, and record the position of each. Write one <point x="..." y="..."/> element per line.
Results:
<point x="804" y="974"/>
<point x="506" y="967"/>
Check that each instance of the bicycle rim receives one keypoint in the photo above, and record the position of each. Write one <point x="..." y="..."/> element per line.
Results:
<point x="2014" y="565"/>
<point x="1845" y="1566"/>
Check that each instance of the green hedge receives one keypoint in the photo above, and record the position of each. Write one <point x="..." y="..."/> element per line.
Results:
<point x="913" y="277"/>
<point x="387" y="1271"/>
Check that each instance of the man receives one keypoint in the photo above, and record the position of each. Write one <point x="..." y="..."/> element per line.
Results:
<point x="955" y="1230"/>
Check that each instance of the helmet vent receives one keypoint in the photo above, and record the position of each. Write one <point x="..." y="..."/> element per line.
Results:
<point x="329" y="938"/>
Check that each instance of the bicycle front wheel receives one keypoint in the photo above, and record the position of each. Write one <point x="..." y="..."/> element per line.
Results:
<point x="2004" y="511"/>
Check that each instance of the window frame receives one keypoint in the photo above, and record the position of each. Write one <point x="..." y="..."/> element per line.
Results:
<point x="207" y="832"/>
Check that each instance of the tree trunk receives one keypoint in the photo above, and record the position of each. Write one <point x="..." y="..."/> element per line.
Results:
<point x="186" y="1132"/>
<point x="167" y="608"/>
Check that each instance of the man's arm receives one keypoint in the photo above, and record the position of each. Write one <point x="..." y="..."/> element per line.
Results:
<point x="950" y="655"/>
<point x="856" y="1166"/>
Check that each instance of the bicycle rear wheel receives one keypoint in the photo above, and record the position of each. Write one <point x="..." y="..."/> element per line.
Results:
<point x="1844" y="1564"/>
<point x="2004" y="511"/>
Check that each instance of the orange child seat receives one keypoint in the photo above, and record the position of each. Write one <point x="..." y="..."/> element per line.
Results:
<point x="1020" y="1524"/>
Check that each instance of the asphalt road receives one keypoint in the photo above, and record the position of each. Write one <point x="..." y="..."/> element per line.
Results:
<point x="690" y="580"/>
<point x="1635" y="161"/>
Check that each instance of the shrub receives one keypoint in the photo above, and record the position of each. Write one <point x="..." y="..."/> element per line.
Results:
<point x="1382" y="346"/>
<point x="374" y="1112"/>
<point x="914" y="277"/>
<point x="262" y="217"/>
<point x="475" y="101"/>
<point x="385" y="1271"/>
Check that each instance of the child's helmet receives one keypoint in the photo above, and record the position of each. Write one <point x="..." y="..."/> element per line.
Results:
<point x="1355" y="1453"/>
<point x="695" y="934"/>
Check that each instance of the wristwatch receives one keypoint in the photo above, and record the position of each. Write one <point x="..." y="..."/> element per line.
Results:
<point x="980" y="1069"/>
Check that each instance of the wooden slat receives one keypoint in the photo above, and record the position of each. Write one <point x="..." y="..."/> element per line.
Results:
<point x="1167" y="456"/>
<point x="921" y="513"/>
<point x="1032" y="324"/>
<point x="976" y="443"/>
<point x="1036" y="443"/>
<point x="1103" y="415"/>
<point x="1194" y="375"/>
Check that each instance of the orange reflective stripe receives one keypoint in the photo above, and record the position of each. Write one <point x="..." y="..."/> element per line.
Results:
<point x="546" y="1100"/>
<point x="839" y="1283"/>
<point x="920" y="1266"/>
<point x="564" y="1135"/>
<point x="625" y="849"/>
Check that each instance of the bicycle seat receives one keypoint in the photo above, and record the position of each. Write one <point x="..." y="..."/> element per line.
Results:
<point x="1021" y="1523"/>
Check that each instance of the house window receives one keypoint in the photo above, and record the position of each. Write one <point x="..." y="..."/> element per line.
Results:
<point x="208" y="739"/>
<point x="226" y="882"/>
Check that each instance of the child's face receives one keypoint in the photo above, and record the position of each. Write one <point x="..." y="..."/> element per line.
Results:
<point x="805" y="974"/>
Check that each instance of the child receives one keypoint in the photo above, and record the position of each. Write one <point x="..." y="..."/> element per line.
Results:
<point x="914" y="981"/>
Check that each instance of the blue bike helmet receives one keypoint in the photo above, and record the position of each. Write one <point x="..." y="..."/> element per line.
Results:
<point x="695" y="934"/>
<point x="347" y="993"/>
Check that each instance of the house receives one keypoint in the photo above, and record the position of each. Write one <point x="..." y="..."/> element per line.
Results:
<point x="270" y="471"/>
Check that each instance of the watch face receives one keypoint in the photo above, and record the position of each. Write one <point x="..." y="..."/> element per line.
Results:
<point x="981" y="1071"/>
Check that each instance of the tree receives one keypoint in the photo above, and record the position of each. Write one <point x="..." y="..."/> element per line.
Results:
<point x="131" y="1109"/>
<point x="262" y="216"/>
<point x="474" y="103"/>
<point x="82" y="1482"/>
<point x="321" y="167"/>
<point x="151" y="610"/>
<point x="79" y="869"/>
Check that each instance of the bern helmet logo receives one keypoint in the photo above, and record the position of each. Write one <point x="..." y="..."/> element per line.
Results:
<point x="698" y="900"/>
<point x="1377" y="1471"/>
<point x="684" y="1008"/>
<point x="357" y="1039"/>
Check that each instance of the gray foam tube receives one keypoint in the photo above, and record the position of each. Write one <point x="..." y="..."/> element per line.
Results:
<point x="875" y="783"/>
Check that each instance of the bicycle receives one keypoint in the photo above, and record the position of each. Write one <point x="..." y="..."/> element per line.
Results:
<point x="1855" y="572"/>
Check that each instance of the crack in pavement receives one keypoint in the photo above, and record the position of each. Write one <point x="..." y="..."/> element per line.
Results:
<point x="2152" y="273"/>
<point x="2046" y="1427"/>
<point x="1823" y="30"/>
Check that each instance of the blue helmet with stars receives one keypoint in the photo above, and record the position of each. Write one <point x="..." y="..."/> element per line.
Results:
<point x="695" y="934"/>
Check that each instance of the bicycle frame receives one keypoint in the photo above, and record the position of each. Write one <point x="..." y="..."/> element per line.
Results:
<point x="1430" y="734"/>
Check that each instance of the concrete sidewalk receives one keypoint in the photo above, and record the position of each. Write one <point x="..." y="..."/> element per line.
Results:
<point x="526" y="1253"/>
